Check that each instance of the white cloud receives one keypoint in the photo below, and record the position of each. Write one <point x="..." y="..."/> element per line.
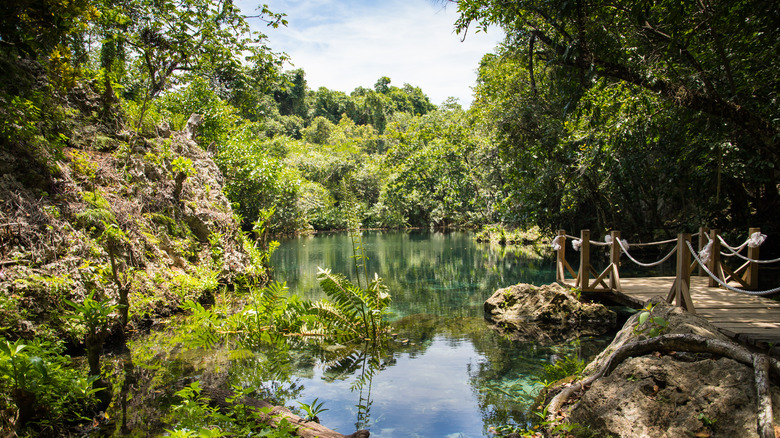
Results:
<point x="342" y="45"/>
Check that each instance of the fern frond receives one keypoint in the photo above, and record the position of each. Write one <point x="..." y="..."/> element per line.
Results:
<point x="339" y="289"/>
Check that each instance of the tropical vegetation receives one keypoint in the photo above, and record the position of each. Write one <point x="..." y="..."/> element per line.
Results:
<point x="648" y="117"/>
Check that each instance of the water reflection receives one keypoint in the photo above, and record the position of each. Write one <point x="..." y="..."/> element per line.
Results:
<point x="444" y="372"/>
<point x="427" y="272"/>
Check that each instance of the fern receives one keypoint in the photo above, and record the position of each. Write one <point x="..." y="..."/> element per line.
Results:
<point x="362" y="308"/>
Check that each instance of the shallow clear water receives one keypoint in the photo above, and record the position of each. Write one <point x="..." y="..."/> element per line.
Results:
<point x="445" y="373"/>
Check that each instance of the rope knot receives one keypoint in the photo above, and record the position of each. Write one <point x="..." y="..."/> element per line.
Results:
<point x="558" y="242"/>
<point x="756" y="239"/>
<point x="706" y="253"/>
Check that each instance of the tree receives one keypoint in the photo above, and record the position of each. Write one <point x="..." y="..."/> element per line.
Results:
<point x="707" y="68"/>
<point x="193" y="36"/>
<point x="291" y="94"/>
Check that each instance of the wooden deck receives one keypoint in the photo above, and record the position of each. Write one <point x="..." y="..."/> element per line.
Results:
<point x="746" y="318"/>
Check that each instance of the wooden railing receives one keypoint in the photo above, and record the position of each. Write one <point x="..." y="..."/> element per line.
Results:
<point x="587" y="279"/>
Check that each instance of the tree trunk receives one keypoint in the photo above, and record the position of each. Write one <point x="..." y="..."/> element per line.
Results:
<point x="306" y="429"/>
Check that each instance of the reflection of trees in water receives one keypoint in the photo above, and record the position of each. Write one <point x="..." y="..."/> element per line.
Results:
<point x="427" y="272"/>
<point x="438" y="282"/>
<point x="158" y="365"/>
<point x="363" y="361"/>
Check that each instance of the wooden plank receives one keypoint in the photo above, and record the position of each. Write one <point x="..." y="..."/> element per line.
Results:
<point x="750" y="319"/>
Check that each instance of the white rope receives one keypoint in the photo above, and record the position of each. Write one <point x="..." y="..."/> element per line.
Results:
<point x="756" y="239"/>
<point x="733" y="249"/>
<point x="624" y="247"/>
<point x="748" y="259"/>
<point x="608" y="241"/>
<point x="661" y="242"/>
<point x="558" y="242"/>
<point x="723" y="283"/>
<point x="576" y="244"/>
<point x="706" y="253"/>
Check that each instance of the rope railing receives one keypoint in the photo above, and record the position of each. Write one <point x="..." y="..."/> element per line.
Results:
<point x="723" y="283"/>
<point x="748" y="259"/>
<point x="660" y="242"/>
<point x="588" y="279"/>
<point x="623" y="245"/>
<point x="608" y="242"/>
<point x="755" y="240"/>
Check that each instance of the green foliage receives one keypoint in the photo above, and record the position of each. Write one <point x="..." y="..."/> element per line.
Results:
<point x="353" y="311"/>
<point x="204" y="280"/>
<point x="39" y="386"/>
<point x="649" y="324"/>
<point x="193" y="417"/>
<point x="200" y="97"/>
<point x="506" y="235"/>
<point x="313" y="409"/>
<point x="182" y="165"/>
<point x="259" y="181"/>
<point x="707" y="421"/>
<point x="565" y="367"/>
<point x="433" y="182"/>
<point x="93" y="314"/>
<point x="584" y="106"/>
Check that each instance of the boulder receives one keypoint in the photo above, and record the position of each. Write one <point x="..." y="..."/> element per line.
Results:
<point x="545" y="313"/>
<point x="670" y="394"/>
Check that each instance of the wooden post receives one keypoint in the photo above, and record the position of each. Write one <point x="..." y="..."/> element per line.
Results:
<point x="714" y="264"/>
<point x="682" y="292"/>
<point x="614" y="261"/>
<point x="751" y="274"/>
<point x="702" y="238"/>
<point x="584" y="273"/>
<point x="560" y="270"/>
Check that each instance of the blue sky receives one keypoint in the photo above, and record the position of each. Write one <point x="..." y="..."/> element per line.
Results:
<point x="345" y="44"/>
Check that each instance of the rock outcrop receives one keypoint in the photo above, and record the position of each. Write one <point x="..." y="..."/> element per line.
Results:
<point x="150" y="206"/>
<point x="670" y="393"/>
<point x="548" y="313"/>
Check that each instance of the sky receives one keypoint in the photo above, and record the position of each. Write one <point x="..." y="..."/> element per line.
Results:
<point x="346" y="44"/>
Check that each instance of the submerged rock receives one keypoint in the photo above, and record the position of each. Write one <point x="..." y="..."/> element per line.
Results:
<point x="670" y="395"/>
<point x="545" y="313"/>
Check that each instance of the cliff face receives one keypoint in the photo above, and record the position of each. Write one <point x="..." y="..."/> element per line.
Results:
<point x="112" y="211"/>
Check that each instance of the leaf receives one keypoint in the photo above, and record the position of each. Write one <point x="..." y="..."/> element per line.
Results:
<point x="643" y="317"/>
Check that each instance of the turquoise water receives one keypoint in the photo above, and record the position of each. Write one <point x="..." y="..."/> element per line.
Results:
<point x="445" y="373"/>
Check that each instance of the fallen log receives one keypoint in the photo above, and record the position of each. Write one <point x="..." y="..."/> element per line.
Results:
<point x="272" y="415"/>
<point x="764" y="366"/>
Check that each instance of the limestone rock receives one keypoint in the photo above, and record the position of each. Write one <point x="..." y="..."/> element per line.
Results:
<point x="551" y="303"/>
<point x="545" y="313"/>
<point x="670" y="395"/>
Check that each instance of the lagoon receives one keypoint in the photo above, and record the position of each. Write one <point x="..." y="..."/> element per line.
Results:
<point x="445" y="372"/>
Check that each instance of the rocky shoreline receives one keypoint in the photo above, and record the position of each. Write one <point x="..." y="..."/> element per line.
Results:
<point x="667" y="373"/>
